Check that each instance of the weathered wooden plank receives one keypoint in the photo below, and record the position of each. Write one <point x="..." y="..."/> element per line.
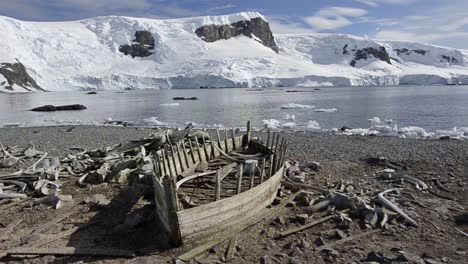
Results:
<point x="234" y="145"/>
<point x="252" y="176"/>
<point x="218" y="139"/>
<point x="240" y="172"/>
<point x="192" y="153"/>
<point x="207" y="156"/>
<point x="218" y="185"/>
<point x="174" y="234"/>
<point x="226" y="141"/>
<point x="181" y="163"/>
<point x="270" y="169"/>
<point x="268" y="140"/>
<point x="262" y="170"/>
<point x="187" y="162"/>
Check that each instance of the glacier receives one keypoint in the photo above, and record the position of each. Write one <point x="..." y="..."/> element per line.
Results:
<point x="88" y="55"/>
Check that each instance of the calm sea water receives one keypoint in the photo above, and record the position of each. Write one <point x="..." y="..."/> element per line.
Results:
<point x="434" y="107"/>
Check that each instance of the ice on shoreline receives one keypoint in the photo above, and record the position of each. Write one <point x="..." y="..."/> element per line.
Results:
<point x="329" y="110"/>
<point x="289" y="117"/>
<point x="154" y="121"/>
<point x="296" y="106"/>
<point x="314" y="126"/>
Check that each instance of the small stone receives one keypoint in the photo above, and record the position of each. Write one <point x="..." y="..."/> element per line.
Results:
<point x="216" y="249"/>
<point x="402" y="257"/>
<point x="302" y="218"/>
<point x="97" y="199"/>
<point x="445" y="259"/>
<point x="340" y="234"/>
<point x="280" y="220"/>
<point x="304" y="244"/>
<point x="178" y="261"/>
<point x="265" y="260"/>
<point x="296" y="253"/>
<point x="319" y="242"/>
<point x="290" y="245"/>
<point x="297" y="178"/>
<point x="376" y="256"/>
<point x="312" y="165"/>
<point x="430" y="261"/>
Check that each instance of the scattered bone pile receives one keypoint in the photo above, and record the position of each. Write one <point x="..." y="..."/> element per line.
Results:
<point x="38" y="177"/>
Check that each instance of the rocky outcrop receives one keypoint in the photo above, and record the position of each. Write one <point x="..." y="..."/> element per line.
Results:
<point x="256" y="28"/>
<point x="408" y="52"/>
<point x="16" y="74"/>
<point x="51" y="108"/>
<point x="363" y="54"/>
<point x="142" y="45"/>
<point x="448" y="59"/>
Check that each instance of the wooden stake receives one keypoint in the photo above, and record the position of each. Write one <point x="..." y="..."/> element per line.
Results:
<point x="191" y="152"/>
<point x="239" y="177"/>
<point x="271" y="166"/>
<point x="234" y="139"/>
<point x="226" y="141"/>
<point x="218" y="186"/>
<point x="185" y="155"/>
<point x="231" y="248"/>
<point x="199" y="152"/>
<point x="157" y="164"/>
<point x="204" y="149"/>
<point x="252" y="177"/>
<point x="262" y="171"/>
<point x="180" y="159"/>
<point x="174" y="161"/>
<point x="169" y="167"/>
<point x="268" y="140"/>
<point x="218" y="138"/>
<point x="166" y="172"/>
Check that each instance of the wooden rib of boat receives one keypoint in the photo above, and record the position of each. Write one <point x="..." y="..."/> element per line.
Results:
<point x="208" y="188"/>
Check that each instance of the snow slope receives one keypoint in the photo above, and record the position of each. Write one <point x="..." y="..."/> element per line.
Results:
<point x="83" y="55"/>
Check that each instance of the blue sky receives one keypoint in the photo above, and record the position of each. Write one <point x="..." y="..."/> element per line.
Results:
<point x="442" y="22"/>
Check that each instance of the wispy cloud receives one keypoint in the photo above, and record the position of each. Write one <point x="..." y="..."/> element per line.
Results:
<point x="375" y="3"/>
<point x="332" y="18"/>
<point x="222" y="7"/>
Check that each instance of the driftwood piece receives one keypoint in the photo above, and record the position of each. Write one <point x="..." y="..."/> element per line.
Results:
<point x="240" y="172"/>
<point x="231" y="248"/>
<point x="201" y="249"/>
<point x="72" y="251"/>
<point x="347" y="239"/>
<point x="395" y="208"/>
<point x="226" y="155"/>
<point x="234" y="145"/>
<point x="22" y="186"/>
<point x="303" y="227"/>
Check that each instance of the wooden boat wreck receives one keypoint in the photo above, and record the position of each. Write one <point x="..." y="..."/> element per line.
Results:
<point x="209" y="188"/>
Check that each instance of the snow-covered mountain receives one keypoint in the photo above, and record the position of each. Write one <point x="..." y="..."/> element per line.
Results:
<point x="235" y="50"/>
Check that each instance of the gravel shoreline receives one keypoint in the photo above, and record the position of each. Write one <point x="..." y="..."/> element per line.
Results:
<point x="302" y="146"/>
<point x="342" y="159"/>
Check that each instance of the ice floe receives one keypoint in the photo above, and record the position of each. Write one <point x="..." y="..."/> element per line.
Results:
<point x="329" y="110"/>
<point x="296" y="106"/>
<point x="289" y="117"/>
<point x="313" y="126"/>
<point x="170" y="105"/>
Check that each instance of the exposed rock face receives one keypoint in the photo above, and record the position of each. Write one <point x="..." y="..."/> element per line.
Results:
<point x="142" y="44"/>
<point x="16" y="74"/>
<point x="255" y="27"/>
<point x="363" y="54"/>
<point x="449" y="59"/>
<point x="408" y="52"/>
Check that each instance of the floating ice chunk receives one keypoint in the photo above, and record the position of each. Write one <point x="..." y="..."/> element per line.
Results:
<point x="218" y="126"/>
<point x="330" y="110"/>
<point x="375" y="121"/>
<point x="388" y="121"/>
<point x="170" y="105"/>
<point x="271" y="123"/>
<point x="455" y="134"/>
<point x="296" y="106"/>
<point x="290" y="117"/>
<point x="358" y="131"/>
<point x="385" y="130"/>
<point x="313" y="125"/>
<point x="12" y="124"/>
<point x="154" y="121"/>
<point x="413" y="132"/>
<point x="288" y="125"/>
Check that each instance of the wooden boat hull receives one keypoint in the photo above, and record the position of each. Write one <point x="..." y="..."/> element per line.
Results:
<point x="222" y="216"/>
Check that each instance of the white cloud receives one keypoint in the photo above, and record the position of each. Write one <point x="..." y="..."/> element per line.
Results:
<point x="217" y="8"/>
<point x="375" y="3"/>
<point x="332" y="18"/>
<point x="281" y="27"/>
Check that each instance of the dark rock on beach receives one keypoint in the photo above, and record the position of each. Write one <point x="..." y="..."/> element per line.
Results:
<point x="91" y="93"/>
<point x="255" y="27"/>
<point x="52" y="108"/>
